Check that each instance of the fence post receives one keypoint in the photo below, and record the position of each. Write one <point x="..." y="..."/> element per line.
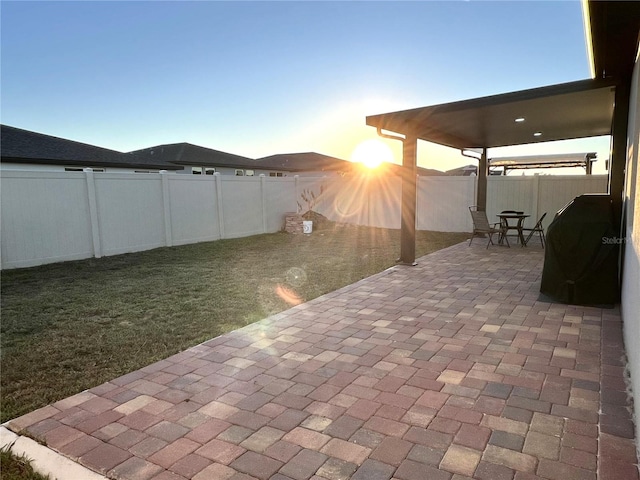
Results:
<point x="536" y="196"/>
<point x="296" y="179"/>
<point x="93" y="212"/>
<point x="325" y="189"/>
<point x="369" y="201"/>
<point x="166" y="206"/>
<point x="219" y="198"/>
<point x="263" y="192"/>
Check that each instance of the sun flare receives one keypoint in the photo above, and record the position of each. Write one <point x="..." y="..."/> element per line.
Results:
<point x="372" y="153"/>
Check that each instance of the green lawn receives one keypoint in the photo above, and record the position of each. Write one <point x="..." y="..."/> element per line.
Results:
<point x="70" y="326"/>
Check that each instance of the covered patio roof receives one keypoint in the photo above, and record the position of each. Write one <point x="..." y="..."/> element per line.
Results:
<point x="581" y="109"/>
<point x="557" y="112"/>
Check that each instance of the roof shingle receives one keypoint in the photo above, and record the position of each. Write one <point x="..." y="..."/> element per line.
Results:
<point x="189" y="154"/>
<point x="24" y="146"/>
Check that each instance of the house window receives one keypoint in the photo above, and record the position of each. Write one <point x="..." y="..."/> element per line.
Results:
<point x="209" y="170"/>
<point x="81" y="169"/>
<point x="249" y="173"/>
<point x="196" y="171"/>
<point x="239" y="173"/>
<point x="275" y="174"/>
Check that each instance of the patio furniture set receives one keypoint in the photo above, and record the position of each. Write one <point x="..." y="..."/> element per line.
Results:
<point x="481" y="225"/>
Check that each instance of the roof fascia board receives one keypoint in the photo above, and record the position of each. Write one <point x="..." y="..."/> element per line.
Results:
<point x="588" y="34"/>
<point x="492" y="100"/>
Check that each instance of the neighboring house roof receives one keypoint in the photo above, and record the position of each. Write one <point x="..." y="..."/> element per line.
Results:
<point x="24" y="146"/>
<point x="395" y="169"/>
<point x="308" y="162"/>
<point x="313" y="162"/>
<point x="189" y="154"/>
<point x="465" y="171"/>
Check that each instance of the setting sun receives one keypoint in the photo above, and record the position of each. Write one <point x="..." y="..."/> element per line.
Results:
<point x="372" y="153"/>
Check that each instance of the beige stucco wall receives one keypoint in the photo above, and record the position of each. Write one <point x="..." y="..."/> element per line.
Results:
<point x="631" y="270"/>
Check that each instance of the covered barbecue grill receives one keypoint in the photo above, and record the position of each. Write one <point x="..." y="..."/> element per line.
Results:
<point x="581" y="258"/>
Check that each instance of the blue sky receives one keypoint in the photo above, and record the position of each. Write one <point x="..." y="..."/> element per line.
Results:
<point x="258" y="78"/>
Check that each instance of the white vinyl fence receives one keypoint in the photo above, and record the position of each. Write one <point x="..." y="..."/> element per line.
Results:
<point x="50" y="217"/>
<point x="538" y="194"/>
<point x="443" y="202"/>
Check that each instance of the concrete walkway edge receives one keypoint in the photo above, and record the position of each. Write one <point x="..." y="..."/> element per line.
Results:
<point x="44" y="460"/>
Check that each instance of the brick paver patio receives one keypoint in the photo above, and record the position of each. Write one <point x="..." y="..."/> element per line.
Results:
<point x="452" y="369"/>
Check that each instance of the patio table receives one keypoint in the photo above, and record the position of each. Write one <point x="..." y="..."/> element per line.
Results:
<point x="506" y="226"/>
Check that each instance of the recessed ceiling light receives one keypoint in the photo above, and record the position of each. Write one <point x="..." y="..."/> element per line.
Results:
<point x="519" y="119"/>
<point x="537" y="134"/>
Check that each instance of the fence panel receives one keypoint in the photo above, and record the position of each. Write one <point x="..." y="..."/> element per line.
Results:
<point x="310" y="187"/>
<point x="511" y="193"/>
<point x="194" y="216"/>
<point x="55" y="216"/>
<point x="558" y="190"/>
<point x="45" y="218"/>
<point x="242" y="206"/>
<point x="130" y="212"/>
<point x="443" y="203"/>
<point x="280" y="199"/>
<point x="327" y="201"/>
<point x="345" y="201"/>
<point x="383" y="196"/>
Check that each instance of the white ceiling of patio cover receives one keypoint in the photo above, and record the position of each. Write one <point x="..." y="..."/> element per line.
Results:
<point x="565" y="111"/>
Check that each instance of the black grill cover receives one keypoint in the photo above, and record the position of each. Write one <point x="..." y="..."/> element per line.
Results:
<point x="581" y="258"/>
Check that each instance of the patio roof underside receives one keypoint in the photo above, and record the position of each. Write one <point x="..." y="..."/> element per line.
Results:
<point x="560" y="112"/>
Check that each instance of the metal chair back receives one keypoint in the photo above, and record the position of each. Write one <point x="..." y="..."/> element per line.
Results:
<point x="537" y="228"/>
<point x="481" y="225"/>
<point x="480" y="220"/>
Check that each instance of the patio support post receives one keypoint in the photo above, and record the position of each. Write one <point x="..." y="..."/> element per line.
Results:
<point x="481" y="200"/>
<point x="263" y="197"/>
<point x="619" y="147"/>
<point x="409" y="200"/>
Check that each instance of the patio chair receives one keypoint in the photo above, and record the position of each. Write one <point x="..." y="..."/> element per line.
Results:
<point x="538" y="228"/>
<point x="481" y="225"/>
